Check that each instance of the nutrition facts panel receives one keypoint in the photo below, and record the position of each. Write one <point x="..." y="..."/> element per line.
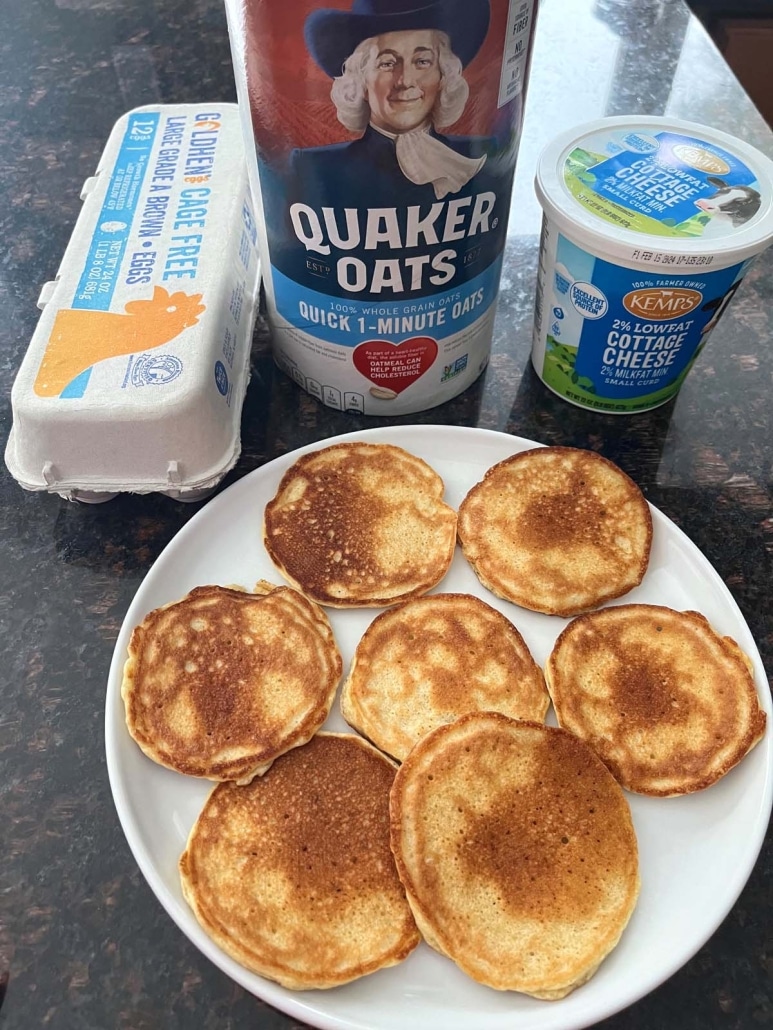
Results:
<point x="520" y="19"/>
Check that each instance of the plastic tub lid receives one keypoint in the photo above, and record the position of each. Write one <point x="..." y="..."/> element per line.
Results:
<point x="627" y="186"/>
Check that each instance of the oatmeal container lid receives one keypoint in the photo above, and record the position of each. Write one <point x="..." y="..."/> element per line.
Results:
<point x="648" y="189"/>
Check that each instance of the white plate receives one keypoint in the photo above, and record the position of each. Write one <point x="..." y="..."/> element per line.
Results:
<point x="696" y="852"/>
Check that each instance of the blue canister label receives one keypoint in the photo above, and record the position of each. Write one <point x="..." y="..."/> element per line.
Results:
<point x="619" y="339"/>
<point x="386" y="136"/>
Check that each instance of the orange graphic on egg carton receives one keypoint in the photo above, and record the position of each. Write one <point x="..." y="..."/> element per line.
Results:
<point x="80" y="338"/>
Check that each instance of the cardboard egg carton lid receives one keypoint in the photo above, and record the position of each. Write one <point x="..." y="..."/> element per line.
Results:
<point x="135" y="376"/>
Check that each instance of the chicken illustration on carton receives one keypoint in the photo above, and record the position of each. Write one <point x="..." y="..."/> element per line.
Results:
<point x="80" y="338"/>
<point x="136" y="373"/>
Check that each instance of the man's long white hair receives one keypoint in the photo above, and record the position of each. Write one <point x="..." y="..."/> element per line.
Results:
<point x="350" y="97"/>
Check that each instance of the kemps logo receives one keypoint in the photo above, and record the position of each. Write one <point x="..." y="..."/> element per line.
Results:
<point x="701" y="159"/>
<point x="661" y="305"/>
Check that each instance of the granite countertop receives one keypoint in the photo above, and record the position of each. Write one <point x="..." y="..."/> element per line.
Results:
<point x="85" y="941"/>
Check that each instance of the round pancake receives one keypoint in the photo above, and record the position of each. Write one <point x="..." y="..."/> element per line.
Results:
<point x="360" y="525"/>
<point x="428" y="661"/>
<point x="556" y="529"/>
<point x="669" y="705"/>
<point x="292" y="875"/>
<point x="517" y="852"/>
<point x="220" y="683"/>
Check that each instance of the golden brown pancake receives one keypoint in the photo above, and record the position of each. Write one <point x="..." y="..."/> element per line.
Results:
<point x="360" y="525"/>
<point x="556" y="529"/>
<point x="430" y="660"/>
<point x="292" y="875"/>
<point x="667" y="703"/>
<point x="517" y="852"/>
<point x="222" y="682"/>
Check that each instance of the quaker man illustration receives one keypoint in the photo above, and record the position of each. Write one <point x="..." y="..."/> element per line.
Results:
<point x="396" y="67"/>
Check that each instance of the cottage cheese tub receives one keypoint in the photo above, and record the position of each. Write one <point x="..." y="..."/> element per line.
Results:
<point x="650" y="225"/>
<point x="136" y="373"/>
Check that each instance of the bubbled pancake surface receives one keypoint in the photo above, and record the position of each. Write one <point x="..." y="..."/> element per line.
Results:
<point x="222" y="682"/>
<point x="430" y="660"/>
<point x="517" y="852"/>
<point x="293" y="876"/>
<point x="359" y="524"/>
<point x="556" y="529"/>
<point x="667" y="703"/>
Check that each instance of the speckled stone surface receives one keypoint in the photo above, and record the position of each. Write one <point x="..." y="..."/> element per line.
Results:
<point x="84" y="940"/>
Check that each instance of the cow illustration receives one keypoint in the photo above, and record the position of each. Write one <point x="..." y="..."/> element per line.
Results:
<point x="731" y="206"/>
<point x="717" y="307"/>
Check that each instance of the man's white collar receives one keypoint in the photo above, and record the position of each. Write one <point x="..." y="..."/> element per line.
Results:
<point x="424" y="159"/>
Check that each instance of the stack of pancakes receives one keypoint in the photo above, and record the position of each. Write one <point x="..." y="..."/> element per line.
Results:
<point x="508" y="844"/>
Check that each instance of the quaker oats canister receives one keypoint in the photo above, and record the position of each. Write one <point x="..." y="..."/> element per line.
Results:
<point x="385" y="136"/>
<point x="649" y="226"/>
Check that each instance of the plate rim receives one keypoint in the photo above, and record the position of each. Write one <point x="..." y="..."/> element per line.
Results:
<point x="292" y="1003"/>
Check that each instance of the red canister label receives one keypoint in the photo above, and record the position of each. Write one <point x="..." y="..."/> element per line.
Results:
<point x="386" y="134"/>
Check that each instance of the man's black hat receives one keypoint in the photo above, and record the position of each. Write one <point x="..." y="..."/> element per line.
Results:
<point x="332" y="35"/>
